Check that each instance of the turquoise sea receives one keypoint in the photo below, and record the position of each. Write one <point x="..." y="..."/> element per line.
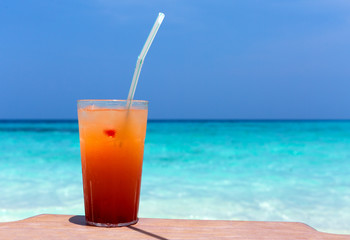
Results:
<point x="237" y="170"/>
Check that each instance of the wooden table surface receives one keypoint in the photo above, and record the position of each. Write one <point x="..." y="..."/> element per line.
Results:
<point x="73" y="227"/>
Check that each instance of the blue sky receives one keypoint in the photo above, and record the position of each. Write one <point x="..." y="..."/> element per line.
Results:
<point x="271" y="59"/>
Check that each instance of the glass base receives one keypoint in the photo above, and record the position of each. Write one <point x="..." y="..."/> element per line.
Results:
<point x="110" y="225"/>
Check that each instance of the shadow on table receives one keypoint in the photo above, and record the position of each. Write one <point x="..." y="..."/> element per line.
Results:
<point x="147" y="233"/>
<point x="80" y="220"/>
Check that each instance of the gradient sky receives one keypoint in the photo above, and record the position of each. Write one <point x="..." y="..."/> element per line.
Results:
<point x="246" y="59"/>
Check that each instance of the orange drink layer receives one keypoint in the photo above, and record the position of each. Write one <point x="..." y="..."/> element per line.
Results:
<point x="111" y="143"/>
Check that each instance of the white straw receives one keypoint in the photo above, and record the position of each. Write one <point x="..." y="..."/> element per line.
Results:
<point x="142" y="56"/>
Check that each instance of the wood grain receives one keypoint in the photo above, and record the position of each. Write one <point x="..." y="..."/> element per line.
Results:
<point x="73" y="227"/>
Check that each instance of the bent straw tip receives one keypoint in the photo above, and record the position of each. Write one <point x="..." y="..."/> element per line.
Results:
<point x="161" y="17"/>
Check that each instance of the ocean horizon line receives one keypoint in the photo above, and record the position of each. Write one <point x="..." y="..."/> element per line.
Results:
<point x="51" y="120"/>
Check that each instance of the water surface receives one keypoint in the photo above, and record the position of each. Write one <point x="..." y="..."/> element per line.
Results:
<point x="237" y="170"/>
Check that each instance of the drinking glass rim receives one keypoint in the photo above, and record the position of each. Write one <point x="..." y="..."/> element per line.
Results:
<point x="111" y="100"/>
